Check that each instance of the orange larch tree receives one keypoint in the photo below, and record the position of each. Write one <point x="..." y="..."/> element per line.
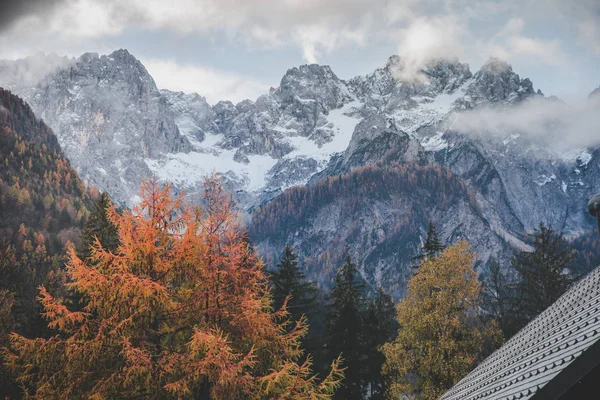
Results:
<point x="181" y="309"/>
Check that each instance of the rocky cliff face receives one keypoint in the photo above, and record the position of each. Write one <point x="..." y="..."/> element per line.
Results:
<point x="109" y="118"/>
<point x="117" y="128"/>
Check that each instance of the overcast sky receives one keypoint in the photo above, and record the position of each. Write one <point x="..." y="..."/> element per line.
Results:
<point x="236" y="49"/>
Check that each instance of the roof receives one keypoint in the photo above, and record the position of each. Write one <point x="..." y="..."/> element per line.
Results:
<point x="547" y="356"/>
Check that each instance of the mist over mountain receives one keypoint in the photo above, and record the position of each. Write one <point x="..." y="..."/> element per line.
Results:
<point x="519" y="157"/>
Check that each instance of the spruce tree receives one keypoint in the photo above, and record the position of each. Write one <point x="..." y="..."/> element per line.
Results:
<point x="345" y="330"/>
<point x="288" y="280"/>
<point x="498" y="299"/>
<point x="432" y="246"/>
<point x="380" y="327"/>
<point x="98" y="225"/>
<point x="545" y="273"/>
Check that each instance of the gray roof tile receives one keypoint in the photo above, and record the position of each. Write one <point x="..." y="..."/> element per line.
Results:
<point x="539" y="351"/>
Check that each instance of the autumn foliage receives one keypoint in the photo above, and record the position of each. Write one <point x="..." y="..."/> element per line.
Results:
<point x="181" y="309"/>
<point x="441" y="337"/>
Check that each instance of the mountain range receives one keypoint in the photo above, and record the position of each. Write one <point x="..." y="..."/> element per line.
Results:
<point x="332" y="166"/>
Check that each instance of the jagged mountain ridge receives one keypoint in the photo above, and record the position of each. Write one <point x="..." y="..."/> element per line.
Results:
<point x="312" y="126"/>
<point x="281" y="139"/>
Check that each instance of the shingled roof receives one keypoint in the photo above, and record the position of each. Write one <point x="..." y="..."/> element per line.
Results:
<point x="545" y="358"/>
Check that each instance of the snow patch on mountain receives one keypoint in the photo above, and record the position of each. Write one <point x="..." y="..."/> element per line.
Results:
<point x="544" y="179"/>
<point x="188" y="169"/>
<point x="341" y="124"/>
<point x="434" y="143"/>
<point x="251" y="172"/>
<point x="429" y="109"/>
<point x="580" y="156"/>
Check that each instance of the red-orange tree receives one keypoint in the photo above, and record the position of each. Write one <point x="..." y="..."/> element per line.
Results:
<point x="180" y="310"/>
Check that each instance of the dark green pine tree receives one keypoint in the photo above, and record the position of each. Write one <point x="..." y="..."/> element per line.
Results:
<point x="545" y="273"/>
<point x="288" y="280"/>
<point x="99" y="226"/>
<point x="380" y="327"/>
<point x="432" y="246"/>
<point x="345" y="329"/>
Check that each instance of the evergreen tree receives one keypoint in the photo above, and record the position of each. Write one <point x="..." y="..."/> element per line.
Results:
<point x="432" y="245"/>
<point x="345" y="330"/>
<point x="288" y="280"/>
<point x="380" y="327"/>
<point x="544" y="273"/>
<point x="99" y="226"/>
<point x="498" y="299"/>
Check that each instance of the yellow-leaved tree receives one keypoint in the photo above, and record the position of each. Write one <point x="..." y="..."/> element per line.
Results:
<point x="181" y="309"/>
<point x="441" y="336"/>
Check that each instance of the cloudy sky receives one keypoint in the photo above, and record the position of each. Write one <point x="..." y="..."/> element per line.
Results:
<point x="236" y="49"/>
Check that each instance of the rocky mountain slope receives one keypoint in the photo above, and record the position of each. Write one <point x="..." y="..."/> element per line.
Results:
<point x="375" y="213"/>
<point x="118" y="128"/>
<point x="108" y="115"/>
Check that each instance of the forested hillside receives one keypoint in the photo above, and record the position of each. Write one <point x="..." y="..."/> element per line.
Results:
<point x="378" y="214"/>
<point x="587" y="246"/>
<point x="40" y="193"/>
<point x="43" y="205"/>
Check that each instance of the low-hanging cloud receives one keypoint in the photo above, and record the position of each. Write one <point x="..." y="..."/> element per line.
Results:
<point x="549" y="122"/>
<point x="425" y="40"/>
<point x="27" y="72"/>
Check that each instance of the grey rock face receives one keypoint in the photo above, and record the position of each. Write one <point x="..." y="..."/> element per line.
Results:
<point x="386" y="90"/>
<point x="594" y="97"/>
<point x="380" y="223"/>
<point x="376" y="139"/>
<point x="118" y="128"/>
<point x="496" y="83"/>
<point x="108" y="116"/>
<point x="313" y="82"/>
<point x="193" y="115"/>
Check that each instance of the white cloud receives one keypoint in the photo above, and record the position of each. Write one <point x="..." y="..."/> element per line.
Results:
<point x="83" y="19"/>
<point x="212" y="84"/>
<point x="421" y="28"/>
<point x="550" y="122"/>
<point x="426" y="39"/>
<point x="314" y="26"/>
<point x="549" y="51"/>
<point x="511" y="43"/>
